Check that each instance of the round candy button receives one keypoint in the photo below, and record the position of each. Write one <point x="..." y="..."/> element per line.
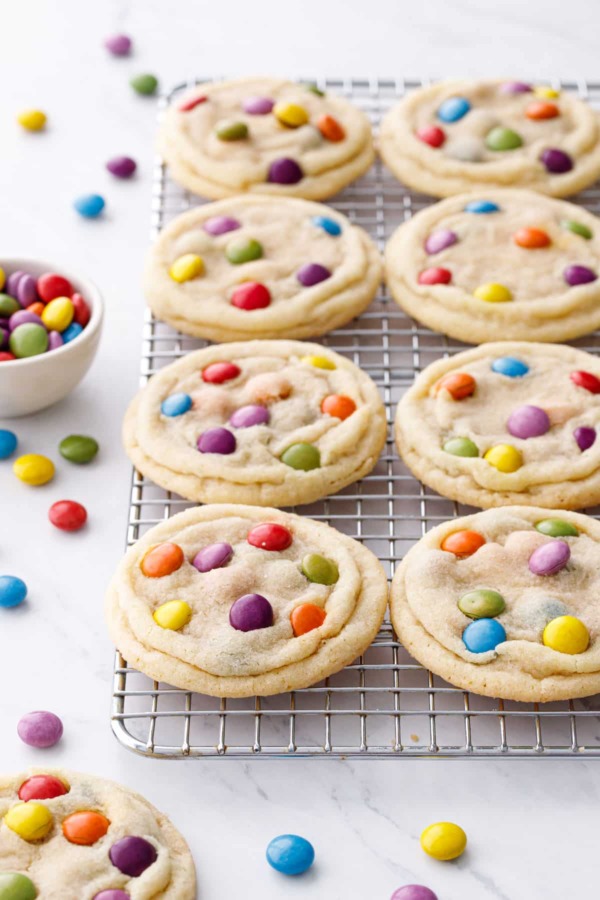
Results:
<point x="118" y="44"/>
<point x="331" y="129"/>
<point x="176" y="405"/>
<point x="302" y="456"/>
<point x="587" y="381"/>
<point x="217" y="440"/>
<point x="8" y="443"/>
<point x="482" y="604"/>
<point x="78" y="448"/>
<point x="12" y="591"/>
<point x="31" y="821"/>
<point x="85" y="827"/>
<point x="556" y="161"/>
<point x="173" y="615"/>
<point x="121" y="166"/>
<point x="504" y="457"/>
<point x="453" y="109"/>
<point x="89" y="206"/>
<point x="463" y="543"/>
<point x="15" y="886"/>
<point x="483" y="635"/>
<point x="164" y="559"/>
<point x="319" y="362"/>
<point x="503" y="139"/>
<point x="461" y="446"/>
<point x="251" y="295"/>
<point x="435" y="275"/>
<point x="111" y="894"/>
<point x="584" y="437"/>
<point x="41" y="787"/>
<point x="575" y="275"/>
<point x="432" y="135"/>
<point x="541" y="109"/>
<point x="270" y="536"/>
<point x="132" y="855"/>
<point x="527" y="422"/>
<point x="258" y="106"/>
<point x="28" y="340"/>
<point x="50" y="285"/>
<point x="221" y="225"/>
<point x="290" y="854"/>
<point x="285" y="171"/>
<point x="312" y="273"/>
<point x="69" y="334"/>
<point x="531" y="238"/>
<point x="413" y="892"/>
<point x="444" y="840"/>
<point x="186" y="267"/>
<point x="306" y="617"/>
<point x="290" y="114"/>
<point x="458" y="384"/>
<point x="515" y="87"/>
<point x="328" y="225"/>
<point x="319" y="569"/>
<point x="40" y="729"/>
<point x="493" y="293"/>
<point x="338" y="405"/>
<point x="482" y="207"/>
<point x="550" y="558"/>
<point x="67" y="515"/>
<point x="577" y="228"/>
<point x="510" y="366"/>
<point x="32" y="119"/>
<point x="566" y="634"/>
<point x="440" y="240"/>
<point x="248" y="416"/>
<point x="243" y="250"/>
<point x="557" y="528"/>
<point x="250" y="613"/>
<point x="219" y="372"/>
<point x="58" y="314"/>
<point x="215" y="556"/>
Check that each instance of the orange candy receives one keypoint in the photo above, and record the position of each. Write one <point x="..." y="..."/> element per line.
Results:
<point x="458" y="384"/>
<point x="541" y="109"/>
<point x="338" y="405"/>
<point x="531" y="238"/>
<point x="37" y="308"/>
<point x="162" y="560"/>
<point x="331" y="129"/>
<point x="85" y="828"/>
<point x="463" y="543"/>
<point x="306" y="617"/>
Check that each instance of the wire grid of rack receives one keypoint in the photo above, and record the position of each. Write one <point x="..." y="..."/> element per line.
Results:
<point x="384" y="705"/>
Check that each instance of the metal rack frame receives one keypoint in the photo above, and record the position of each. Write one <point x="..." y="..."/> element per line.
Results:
<point x="384" y="705"/>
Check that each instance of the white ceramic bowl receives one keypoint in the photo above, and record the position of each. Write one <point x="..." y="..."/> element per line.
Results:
<point x="28" y="385"/>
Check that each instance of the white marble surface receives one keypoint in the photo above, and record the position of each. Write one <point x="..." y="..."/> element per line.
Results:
<point x="530" y="824"/>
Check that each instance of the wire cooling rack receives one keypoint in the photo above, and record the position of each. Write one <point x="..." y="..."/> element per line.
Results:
<point x="384" y="705"/>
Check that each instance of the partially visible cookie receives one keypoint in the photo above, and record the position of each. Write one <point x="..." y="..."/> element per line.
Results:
<point x="507" y="262"/>
<point x="261" y="267"/>
<point x="506" y="423"/>
<point x="234" y="601"/>
<point x="456" y="136"/>
<point x="265" y="135"/>
<point x="69" y="836"/>
<point x="505" y="603"/>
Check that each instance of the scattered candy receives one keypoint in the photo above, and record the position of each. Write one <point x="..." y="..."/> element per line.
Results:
<point x="463" y="543"/>
<point x="528" y="421"/>
<point x="290" y="854"/>
<point x="458" y="384"/>
<point x="219" y="372"/>
<point x="118" y="44"/>
<point x="435" y="275"/>
<point x="315" y="89"/>
<point x="8" y="305"/>
<point x="338" y="405"/>
<point x="444" y="840"/>
<point x="440" y="240"/>
<point x="550" y="558"/>
<point x="503" y="139"/>
<point x="302" y="456"/>
<point x="290" y="114"/>
<point x="566" y="634"/>
<point x="40" y="729"/>
<point x="319" y="569"/>
<point x="186" y="267"/>
<point x="504" y="457"/>
<point x="319" y="362"/>
<point x="13" y="591"/>
<point x="453" y="109"/>
<point x="173" y="615"/>
<point x="577" y="228"/>
<point x="413" y="892"/>
<point x="112" y="894"/>
<point x="232" y="131"/>
<point x="331" y="129"/>
<point x="306" y="617"/>
<point x="556" y="161"/>
<point x="132" y="855"/>
<point x="584" y="437"/>
<point x="215" y="556"/>
<point x="70" y="333"/>
<point x="432" y="135"/>
<point x="58" y="314"/>
<point x="243" y="250"/>
<point x="312" y="273"/>
<point x="515" y="87"/>
<point x="216" y="440"/>
<point x="328" y="225"/>
<point x="32" y="119"/>
<point x="250" y="613"/>
<point x="270" y="536"/>
<point x="164" y="559"/>
<point x="258" y="106"/>
<point x="6" y="357"/>
<point x="67" y="515"/>
<point x="189" y="105"/>
<point x="510" y="366"/>
<point x="285" y="171"/>
<point x="482" y="604"/>
<point x="531" y="238"/>
<point x="176" y="405"/>
<point x="251" y="295"/>
<point x="483" y="635"/>
<point x="557" y="528"/>
<point x="8" y="443"/>
<point x="26" y="290"/>
<point x="121" y="166"/>
<point x="482" y="207"/>
<point x="28" y="340"/>
<point x="540" y="109"/>
<point x="575" y="275"/>
<point x="89" y="205"/>
<point x="78" y="448"/>
<point x="493" y="293"/>
<point x="85" y="827"/>
<point x="14" y="886"/>
<point x="547" y="92"/>
<point x="41" y="787"/>
<point x="221" y="225"/>
<point x="31" y="821"/>
<point x="33" y="468"/>
<point x="586" y="380"/>
<point x="51" y="285"/>
<point x="461" y="446"/>
<point x="248" y="416"/>
<point x="144" y="84"/>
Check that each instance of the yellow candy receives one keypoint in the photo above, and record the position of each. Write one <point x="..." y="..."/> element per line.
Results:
<point x="173" y="614"/>
<point x="2" y="278"/>
<point x="58" y="314"/>
<point x="320" y="362"/>
<point x="504" y="457"/>
<point x="547" y="93"/>
<point x="186" y="267"/>
<point x="32" y="119"/>
<point x="493" y="293"/>
<point x="444" y="840"/>
<point x="34" y="469"/>
<point x="291" y="114"/>
<point x="31" y="821"/>
<point x="567" y="635"/>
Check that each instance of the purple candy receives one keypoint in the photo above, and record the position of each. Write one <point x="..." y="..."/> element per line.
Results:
<point x="26" y="290"/>
<point x="312" y="273"/>
<point x="112" y="894"/>
<point x="575" y="275"/>
<point x="439" y="240"/>
<point x="212" y="557"/>
<point x="40" y="729"/>
<point x="221" y="225"/>
<point x="246" y="416"/>
<point x="413" y="892"/>
<point x="251" y="612"/>
<point x="550" y="558"/>
<point x="285" y="171"/>
<point x="584" y="437"/>
<point x="132" y="855"/>
<point x="556" y="161"/>
<point x="216" y="440"/>
<point x="21" y="316"/>
<point x="515" y="87"/>
<point x="12" y="283"/>
<point x="258" y="106"/>
<point x="118" y="44"/>
<point x="121" y="166"/>
<point x="55" y="340"/>
<point x="528" y="422"/>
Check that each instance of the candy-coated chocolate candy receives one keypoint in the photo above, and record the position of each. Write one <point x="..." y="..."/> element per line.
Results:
<point x="118" y="44"/>
<point x="501" y="139"/>
<point x="121" y="166"/>
<point x="15" y="886"/>
<point x="221" y="225"/>
<point x="306" y="617"/>
<point x="186" y="267"/>
<point x="458" y="384"/>
<point x="504" y="457"/>
<point x="176" y="405"/>
<point x="338" y="405"/>
<point x="31" y="821"/>
<point x="258" y="106"/>
<point x="493" y="293"/>
<point x="432" y="135"/>
<point x="173" y="614"/>
<point x="247" y="416"/>
<point x="219" y="372"/>
<point x="515" y="87"/>
<point x="413" y="892"/>
<point x="36" y="308"/>
<point x="290" y="854"/>
<point x="328" y="225"/>
<point x="542" y="90"/>
<point x="28" y="339"/>
<point x="70" y="333"/>
<point x="556" y="161"/>
<point x="8" y="305"/>
<point x="85" y="827"/>
<point x="312" y="273"/>
<point x="78" y="448"/>
<point x="584" y="437"/>
<point x="32" y="119"/>
<point x="528" y="421"/>
<point x="217" y="440"/>
<point x="232" y="131"/>
<point x="12" y="282"/>
<point x="319" y="569"/>
<point x="58" y="314"/>
<point x="453" y="109"/>
<point x="439" y="240"/>
<point x="250" y="613"/>
<point x="32" y="468"/>
<point x="112" y="894"/>
<point x="483" y="635"/>
<point x="2" y="278"/>
<point x="331" y="129"/>
<point x="285" y="171"/>
<point x="510" y="366"/>
<point x="40" y="729"/>
<point x="577" y="228"/>
<point x="132" y="855"/>
<point x="463" y="543"/>
<point x="251" y="295"/>
<point x="213" y="557"/>
<point x="164" y="559"/>
<point x="482" y="604"/>
<point x="68" y="515"/>
<point x="302" y="456"/>
<point x="243" y="250"/>
<point x="41" y="787"/>
<point x="290" y="114"/>
<point x="541" y="109"/>
<point x="319" y="362"/>
<point x="5" y="356"/>
<point x="83" y="313"/>
<point x="13" y="591"/>
<point x="461" y="446"/>
<point x="270" y="536"/>
<point x="189" y="105"/>
<point x="50" y="285"/>
<point x="550" y="558"/>
<point x="21" y="317"/>
<point x="575" y="275"/>
<point x="586" y="380"/>
<point x="315" y="89"/>
<point x="145" y="84"/>
<point x="444" y="840"/>
<point x="8" y="443"/>
<point x="89" y="205"/>
<point x="435" y="275"/>
<point x="482" y="207"/>
<point x="26" y="290"/>
<point x="566" y="634"/>
<point x="557" y="528"/>
<point x="531" y="238"/>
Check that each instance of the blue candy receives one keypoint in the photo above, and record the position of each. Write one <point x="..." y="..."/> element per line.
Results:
<point x="483" y="635"/>
<point x="482" y="206"/>
<point x="453" y="109"/>
<point x="8" y="443"/>
<point x="70" y="333"/>
<point x="12" y="591"/>
<point x="290" y="854"/>
<point x="510" y="366"/>
<point x="90" y="205"/>
<point x="328" y="225"/>
<point x="176" y="405"/>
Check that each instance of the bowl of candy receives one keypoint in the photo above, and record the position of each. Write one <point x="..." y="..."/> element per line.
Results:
<point x="50" y="324"/>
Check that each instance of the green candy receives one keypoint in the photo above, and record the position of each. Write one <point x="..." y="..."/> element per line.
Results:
<point x="28" y="339"/>
<point x="577" y="228"/>
<point x="503" y="139"/>
<point x="319" y="569"/>
<point x="302" y="456"/>
<point x="8" y="305"/>
<point x="144" y="84"/>
<point x="243" y="251"/>
<point x="232" y="131"/>
<point x="14" y="886"/>
<point x="78" y="448"/>
<point x="557" y="528"/>
<point x="482" y="604"/>
<point x="315" y="90"/>
<point x="461" y="446"/>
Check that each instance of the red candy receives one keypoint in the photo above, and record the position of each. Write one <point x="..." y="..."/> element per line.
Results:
<point x="432" y="135"/>
<point x="68" y="515"/>
<point x="192" y="104"/>
<point x="435" y="275"/>
<point x="5" y="356"/>
<point x="219" y="372"/>
<point x="251" y="295"/>
<point x="50" y="286"/>
<point x="270" y="536"/>
<point x="82" y="310"/>
<point x="586" y="380"/>
<point x="42" y="787"/>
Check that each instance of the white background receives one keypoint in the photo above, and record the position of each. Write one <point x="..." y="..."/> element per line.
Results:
<point x="532" y="826"/>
